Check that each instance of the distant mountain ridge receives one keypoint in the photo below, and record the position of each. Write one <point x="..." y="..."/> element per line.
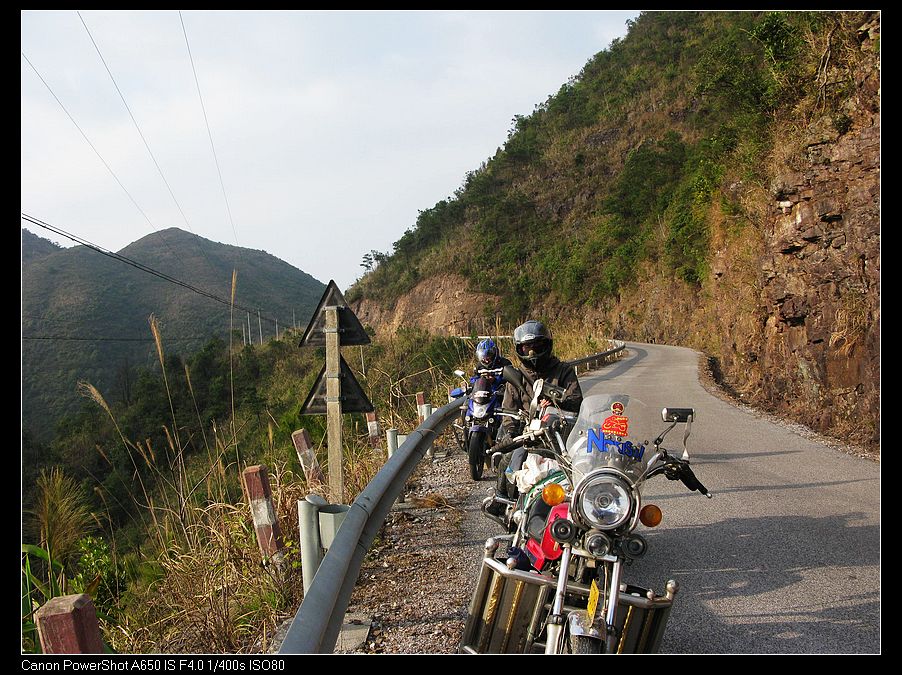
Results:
<point x="85" y="315"/>
<point x="35" y="247"/>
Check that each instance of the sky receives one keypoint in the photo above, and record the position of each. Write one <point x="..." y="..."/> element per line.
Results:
<point x="316" y="136"/>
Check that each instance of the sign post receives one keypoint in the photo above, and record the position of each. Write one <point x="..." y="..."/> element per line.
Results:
<point x="333" y="405"/>
<point x="336" y="390"/>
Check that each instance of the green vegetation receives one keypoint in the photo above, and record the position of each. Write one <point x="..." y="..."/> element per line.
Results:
<point x="622" y="165"/>
<point x="138" y="501"/>
<point x="94" y="310"/>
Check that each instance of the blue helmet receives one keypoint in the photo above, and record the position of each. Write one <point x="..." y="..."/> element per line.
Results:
<point x="486" y="353"/>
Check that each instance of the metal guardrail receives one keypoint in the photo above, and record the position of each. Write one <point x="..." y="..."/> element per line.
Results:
<point x="317" y="624"/>
<point x="595" y="358"/>
<point x="318" y="621"/>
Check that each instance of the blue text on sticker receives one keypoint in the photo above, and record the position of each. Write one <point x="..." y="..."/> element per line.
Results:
<point x="596" y="441"/>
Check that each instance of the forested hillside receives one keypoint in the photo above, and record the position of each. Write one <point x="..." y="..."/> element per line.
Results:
<point x="85" y="315"/>
<point x="710" y="180"/>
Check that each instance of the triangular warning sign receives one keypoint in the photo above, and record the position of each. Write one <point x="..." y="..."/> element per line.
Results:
<point x="350" y="331"/>
<point x="353" y="398"/>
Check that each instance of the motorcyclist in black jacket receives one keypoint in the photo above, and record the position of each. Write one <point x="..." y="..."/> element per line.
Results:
<point x="535" y="351"/>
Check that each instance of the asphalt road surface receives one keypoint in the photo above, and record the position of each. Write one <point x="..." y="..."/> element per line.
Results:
<point x="786" y="556"/>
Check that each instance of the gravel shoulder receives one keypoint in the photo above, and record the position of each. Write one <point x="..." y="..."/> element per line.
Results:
<point x="415" y="584"/>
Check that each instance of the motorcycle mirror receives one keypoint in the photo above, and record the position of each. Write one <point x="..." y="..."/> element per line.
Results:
<point x="677" y="414"/>
<point x="459" y="373"/>
<point x="553" y="392"/>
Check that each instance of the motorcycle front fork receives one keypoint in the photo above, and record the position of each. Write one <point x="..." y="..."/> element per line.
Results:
<point x="555" y="632"/>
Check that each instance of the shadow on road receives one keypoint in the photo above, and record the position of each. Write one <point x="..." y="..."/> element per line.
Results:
<point x="735" y="578"/>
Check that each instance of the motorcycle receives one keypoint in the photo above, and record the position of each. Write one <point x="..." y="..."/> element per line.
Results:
<point x="558" y="584"/>
<point x="478" y="429"/>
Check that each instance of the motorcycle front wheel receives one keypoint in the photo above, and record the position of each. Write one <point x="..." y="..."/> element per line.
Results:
<point x="476" y="454"/>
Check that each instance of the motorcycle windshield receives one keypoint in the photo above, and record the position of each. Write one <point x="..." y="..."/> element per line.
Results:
<point x="602" y="437"/>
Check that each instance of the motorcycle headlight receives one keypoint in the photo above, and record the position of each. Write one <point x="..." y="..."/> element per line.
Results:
<point x="604" y="502"/>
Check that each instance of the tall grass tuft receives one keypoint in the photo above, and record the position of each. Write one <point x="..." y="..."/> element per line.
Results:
<point x="61" y="514"/>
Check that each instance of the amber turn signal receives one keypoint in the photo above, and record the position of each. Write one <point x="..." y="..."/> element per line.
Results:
<point x="553" y="494"/>
<point x="650" y="515"/>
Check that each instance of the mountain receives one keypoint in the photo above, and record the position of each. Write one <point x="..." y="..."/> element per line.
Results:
<point x="711" y="180"/>
<point x="85" y="315"/>
<point x="35" y="247"/>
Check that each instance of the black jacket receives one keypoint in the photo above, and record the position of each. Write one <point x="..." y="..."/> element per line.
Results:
<point x="557" y="372"/>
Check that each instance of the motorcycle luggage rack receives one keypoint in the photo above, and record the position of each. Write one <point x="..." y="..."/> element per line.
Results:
<point x="509" y="606"/>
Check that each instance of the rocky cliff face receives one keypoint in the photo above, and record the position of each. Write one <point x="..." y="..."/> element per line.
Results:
<point x="440" y="304"/>
<point x="817" y="355"/>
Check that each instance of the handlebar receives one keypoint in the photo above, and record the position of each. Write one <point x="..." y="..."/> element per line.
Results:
<point x="510" y="445"/>
<point x="678" y="469"/>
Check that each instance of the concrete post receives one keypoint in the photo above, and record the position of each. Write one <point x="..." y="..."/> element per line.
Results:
<point x="269" y="536"/>
<point x="68" y="625"/>
<point x="307" y="457"/>
<point x="421" y="406"/>
<point x="372" y="425"/>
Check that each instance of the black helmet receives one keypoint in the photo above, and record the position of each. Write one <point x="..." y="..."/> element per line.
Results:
<point x="533" y="343"/>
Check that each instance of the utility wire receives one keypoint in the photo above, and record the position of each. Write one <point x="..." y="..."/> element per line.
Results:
<point x="140" y="266"/>
<point x="47" y="320"/>
<point x="141" y="134"/>
<point x="102" y="339"/>
<point x="209" y="132"/>
<point x="99" y="156"/>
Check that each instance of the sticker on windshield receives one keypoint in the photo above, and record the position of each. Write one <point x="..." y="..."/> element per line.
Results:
<point x="618" y="425"/>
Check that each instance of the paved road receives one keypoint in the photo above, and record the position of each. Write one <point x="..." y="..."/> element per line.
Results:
<point x="786" y="557"/>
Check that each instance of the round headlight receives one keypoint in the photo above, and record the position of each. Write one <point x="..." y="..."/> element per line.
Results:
<point x="605" y="502"/>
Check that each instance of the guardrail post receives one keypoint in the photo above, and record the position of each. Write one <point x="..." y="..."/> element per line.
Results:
<point x="308" y="526"/>
<point x="259" y="495"/>
<point x="427" y="412"/>
<point x="318" y="523"/>
<point x="307" y="457"/>
<point x="68" y="625"/>
<point x="391" y="442"/>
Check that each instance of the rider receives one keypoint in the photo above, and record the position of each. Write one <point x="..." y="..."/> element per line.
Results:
<point x="535" y="350"/>
<point x="488" y="357"/>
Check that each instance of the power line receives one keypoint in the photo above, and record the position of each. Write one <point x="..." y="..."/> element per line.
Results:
<point x="97" y="152"/>
<point x="207" y="123"/>
<point x="71" y="338"/>
<point x="140" y="266"/>
<point x="141" y="134"/>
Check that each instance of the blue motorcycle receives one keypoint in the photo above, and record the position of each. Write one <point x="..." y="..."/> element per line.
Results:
<point x="481" y="421"/>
